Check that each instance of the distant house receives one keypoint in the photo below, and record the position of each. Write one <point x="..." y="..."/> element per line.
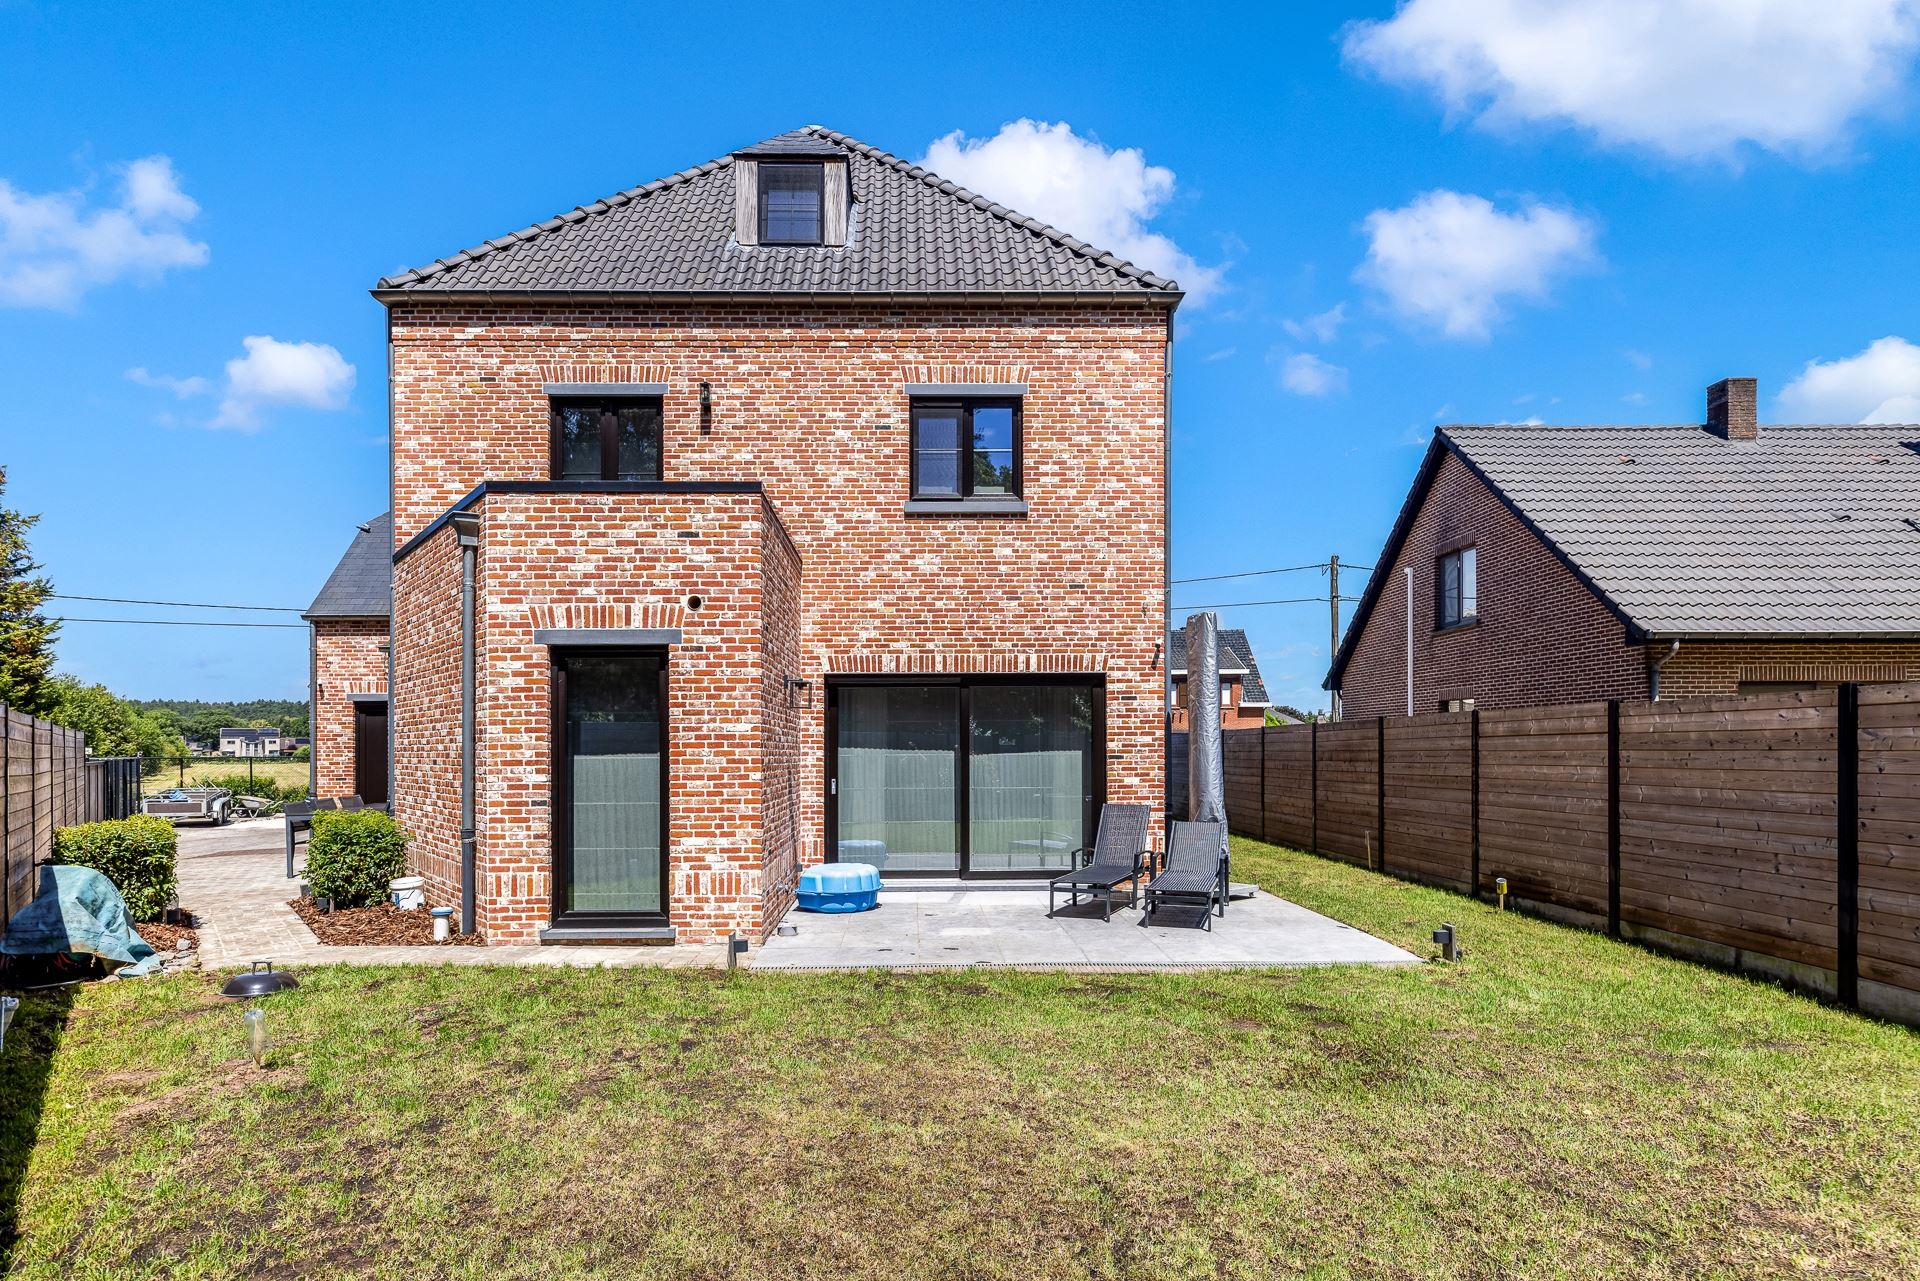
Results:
<point x="250" y="742"/>
<point x="1563" y="564"/>
<point x="1243" y="695"/>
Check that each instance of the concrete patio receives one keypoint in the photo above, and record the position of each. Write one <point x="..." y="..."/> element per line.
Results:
<point x="954" y="927"/>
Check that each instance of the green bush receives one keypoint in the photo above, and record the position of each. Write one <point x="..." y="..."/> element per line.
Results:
<point x="353" y="854"/>
<point x="136" y="854"/>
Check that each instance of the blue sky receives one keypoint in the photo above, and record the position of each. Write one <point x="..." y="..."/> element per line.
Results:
<point x="1455" y="210"/>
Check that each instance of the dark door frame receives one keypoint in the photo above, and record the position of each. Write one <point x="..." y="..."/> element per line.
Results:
<point x="559" y="794"/>
<point x="1095" y="681"/>
<point x="361" y="764"/>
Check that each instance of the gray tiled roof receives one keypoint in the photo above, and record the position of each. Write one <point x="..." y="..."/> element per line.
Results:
<point x="361" y="585"/>
<point x="1235" y="651"/>
<point x="1805" y="530"/>
<point x="911" y="233"/>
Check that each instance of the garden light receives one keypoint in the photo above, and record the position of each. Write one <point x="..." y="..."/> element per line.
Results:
<point x="1500" y="888"/>
<point x="257" y="1043"/>
<point x="8" y="1004"/>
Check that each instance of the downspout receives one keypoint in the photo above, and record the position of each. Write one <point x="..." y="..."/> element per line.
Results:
<point x="1408" y="571"/>
<point x="1166" y="578"/>
<point x="313" y="708"/>
<point x="466" y="526"/>
<point x="1653" y="671"/>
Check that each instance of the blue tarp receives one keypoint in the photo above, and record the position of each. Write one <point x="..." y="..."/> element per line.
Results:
<point x="78" y="910"/>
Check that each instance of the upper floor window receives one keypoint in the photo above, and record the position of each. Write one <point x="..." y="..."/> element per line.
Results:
<point x="1455" y="580"/>
<point x="792" y="203"/>
<point x="966" y="448"/>
<point x="606" y="439"/>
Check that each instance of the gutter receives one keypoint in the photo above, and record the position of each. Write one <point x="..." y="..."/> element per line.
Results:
<point x="467" y="526"/>
<point x="389" y="296"/>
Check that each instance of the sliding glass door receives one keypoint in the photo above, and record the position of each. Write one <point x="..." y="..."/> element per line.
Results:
<point x="610" y="787"/>
<point x="976" y="776"/>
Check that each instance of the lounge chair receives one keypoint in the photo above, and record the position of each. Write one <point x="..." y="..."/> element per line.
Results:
<point x="1195" y="874"/>
<point x="1119" y="854"/>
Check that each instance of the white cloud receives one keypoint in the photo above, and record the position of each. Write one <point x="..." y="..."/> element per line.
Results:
<point x="1224" y="353"/>
<point x="272" y="372"/>
<point x="1305" y="374"/>
<point x="55" y="247"/>
<point x="1637" y="358"/>
<point x="1450" y="260"/>
<point x="1101" y="195"/>
<point x="1878" y="385"/>
<point x="1323" y="327"/>
<point x="181" y="387"/>
<point x="306" y="374"/>
<point x="1687" y="78"/>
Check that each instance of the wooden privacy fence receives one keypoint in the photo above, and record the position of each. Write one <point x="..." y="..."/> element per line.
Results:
<point x="1778" y="833"/>
<point x="49" y="782"/>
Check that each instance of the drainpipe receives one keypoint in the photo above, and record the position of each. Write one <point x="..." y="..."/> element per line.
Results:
<point x="1653" y="671"/>
<point x="467" y="526"/>
<point x="1166" y="576"/>
<point x="1408" y="571"/>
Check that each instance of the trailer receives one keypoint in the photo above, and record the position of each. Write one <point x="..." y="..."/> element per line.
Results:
<point x="209" y="805"/>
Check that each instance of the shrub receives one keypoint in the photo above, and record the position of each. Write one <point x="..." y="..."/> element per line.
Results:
<point x="353" y="854"/>
<point x="136" y="854"/>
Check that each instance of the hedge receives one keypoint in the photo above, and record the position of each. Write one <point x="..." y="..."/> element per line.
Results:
<point x="137" y="854"/>
<point x="353" y="854"/>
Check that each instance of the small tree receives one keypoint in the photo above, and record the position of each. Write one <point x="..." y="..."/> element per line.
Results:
<point x="26" y="633"/>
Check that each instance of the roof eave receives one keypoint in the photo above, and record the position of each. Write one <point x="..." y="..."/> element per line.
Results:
<point x="1657" y="634"/>
<point x="388" y="295"/>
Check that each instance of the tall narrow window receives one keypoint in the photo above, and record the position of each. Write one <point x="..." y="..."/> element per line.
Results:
<point x="1455" y="581"/>
<point x="792" y="201"/>
<point x="966" y="449"/>
<point x="606" y="439"/>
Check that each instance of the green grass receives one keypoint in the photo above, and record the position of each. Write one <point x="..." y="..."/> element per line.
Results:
<point x="285" y="772"/>
<point x="1557" y="1105"/>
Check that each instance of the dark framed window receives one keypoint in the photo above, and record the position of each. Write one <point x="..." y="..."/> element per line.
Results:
<point x="1454" y="579"/>
<point x="792" y="203"/>
<point x="966" y="448"/>
<point x="606" y="439"/>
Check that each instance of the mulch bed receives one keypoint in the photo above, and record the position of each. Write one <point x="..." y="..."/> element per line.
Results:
<point x="166" y="938"/>
<point x="383" y="925"/>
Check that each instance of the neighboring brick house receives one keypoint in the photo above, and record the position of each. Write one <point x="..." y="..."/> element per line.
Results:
<point x="250" y="742"/>
<point x="1243" y="695"/>
<point x="798" y="505"/>
<point x="350" y="619"/>
<point x="1563" y="564"/>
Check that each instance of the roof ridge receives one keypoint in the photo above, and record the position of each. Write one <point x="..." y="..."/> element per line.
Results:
<point x="578" y="213"/>
<point x="1012" y="217"/>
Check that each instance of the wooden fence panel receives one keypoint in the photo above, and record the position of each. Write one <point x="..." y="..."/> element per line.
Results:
<point x="1240" y="752"/>
<point x="1429" y="828"/>
<point x="16" y="815"/>
<point x="1889" y="842"/>
<point x="1543" y="803"/>
<point x="44" y="785"/>
<point x="1347" y="794"/>
<point x="1727" y="821"/>
<point x="1289" y="798"/>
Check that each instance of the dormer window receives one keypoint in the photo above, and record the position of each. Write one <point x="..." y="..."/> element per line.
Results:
<point x="792" y="200"/>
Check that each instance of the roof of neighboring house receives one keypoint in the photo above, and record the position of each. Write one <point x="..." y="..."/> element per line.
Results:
<point x="361" y="585"/>
<point x="251" y="735"/>
<point x="1236" y="655"/>
<point x="1806" y="532"/>
<point x="911" y="232"/>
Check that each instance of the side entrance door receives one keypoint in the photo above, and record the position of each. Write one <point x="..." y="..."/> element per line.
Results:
<point x="370" y="751"/>
<point x="610" y="787"/>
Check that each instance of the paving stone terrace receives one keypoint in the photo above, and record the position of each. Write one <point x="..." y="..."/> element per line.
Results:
<point x="234" y="881"/>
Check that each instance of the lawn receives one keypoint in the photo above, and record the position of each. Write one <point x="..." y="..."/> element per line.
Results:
<point x="284" y="772"/>
<point x="1556" y="1105"/>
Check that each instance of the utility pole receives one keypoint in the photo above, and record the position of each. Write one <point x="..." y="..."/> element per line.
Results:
<point x="1333" y="646"/>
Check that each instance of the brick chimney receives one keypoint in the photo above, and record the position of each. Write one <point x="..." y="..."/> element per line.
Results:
<point x="1733" y="410"/>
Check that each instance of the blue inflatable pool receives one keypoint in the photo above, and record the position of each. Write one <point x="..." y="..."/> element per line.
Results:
<point x="840" y="887"/>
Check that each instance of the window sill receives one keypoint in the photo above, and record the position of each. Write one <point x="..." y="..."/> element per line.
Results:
<point x="1450" y="628"/>
<point x="966" y="507"/>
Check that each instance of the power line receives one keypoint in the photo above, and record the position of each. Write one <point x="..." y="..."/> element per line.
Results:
<point x="179" y="604"/>
<point x="1289" y="600"/>
<point x="1258" y="573"/>
<point x="176" y="622"/>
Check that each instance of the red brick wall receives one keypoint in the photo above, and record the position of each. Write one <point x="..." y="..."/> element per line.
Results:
<point x="1718" y="667"/>
<point x="347" y="660"/>
<point x="1541" y="638"/>
<point x="783" y="721"/>
<point x="812" y="402"/>
<point x="425" y="712"/>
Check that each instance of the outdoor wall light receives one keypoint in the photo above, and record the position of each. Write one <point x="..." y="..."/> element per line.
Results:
<point x="1447" y="941"/>
<point x="706" y="407"/>
<point x="257" y="1042"/>
<point x="799" y="682"/>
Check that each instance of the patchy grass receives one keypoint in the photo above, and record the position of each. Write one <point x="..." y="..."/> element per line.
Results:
<point x="286" y="773"/>
<point x="1558" y="1105"/>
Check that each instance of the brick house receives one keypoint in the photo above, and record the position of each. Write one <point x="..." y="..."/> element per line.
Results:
<point x="349" y="621"/>
<point x="1243" y="694"/>
<point x="797" y="506"/>
<point x="1565" y="564"/>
